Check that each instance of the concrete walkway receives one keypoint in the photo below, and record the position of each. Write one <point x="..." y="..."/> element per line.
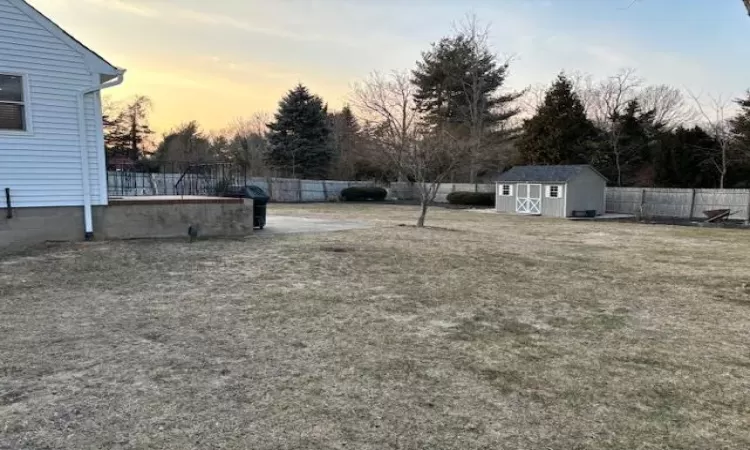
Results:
<point x="292" y="224"/>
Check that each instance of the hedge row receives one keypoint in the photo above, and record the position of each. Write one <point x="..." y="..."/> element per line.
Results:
<point x="472" y="198"/>
<point x="364" y="194"/>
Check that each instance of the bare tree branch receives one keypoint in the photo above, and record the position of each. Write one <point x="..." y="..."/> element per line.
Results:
<point x="715" y="121"/>
<point x="424" y="155"/>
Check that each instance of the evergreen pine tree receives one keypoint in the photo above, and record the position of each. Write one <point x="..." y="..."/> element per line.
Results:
<point x="299" y="137"/>
<point x="346" y="142"/>
<point x="680" y="159"/>
<point x="458" y="88"/>
<point x="740" y="125"/>
<point x="631" y="145"/>
<point x="457" y="75"/>
<point x="559" y="132"/>
<point x="126" y="132"/>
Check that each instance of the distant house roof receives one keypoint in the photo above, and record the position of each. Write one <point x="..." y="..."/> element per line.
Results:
<point x="546" y="174"/>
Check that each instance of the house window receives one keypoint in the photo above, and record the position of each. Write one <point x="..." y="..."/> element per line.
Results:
<point x="506" y="190"/>
<point x="12" y="103"/>
<point x="554" y="191"/>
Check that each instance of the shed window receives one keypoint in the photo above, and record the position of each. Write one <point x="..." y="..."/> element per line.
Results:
<point x="506" y="190"/>
<point x="554" y="191"/>
<point x="12" y="103"/>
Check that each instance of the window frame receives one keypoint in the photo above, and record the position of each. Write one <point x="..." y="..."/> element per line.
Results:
<point x="548" y="191"/>
<point x="502" y="190"/>
<point x="26" y="103"/>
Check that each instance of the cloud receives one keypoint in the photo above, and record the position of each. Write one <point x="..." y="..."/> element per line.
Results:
<point x="222" y="20"/>
<point x="608" y="55"/>
<point x="228" y="21"/>
<point x="168" y="10"/>
<point x="128" y="6"/>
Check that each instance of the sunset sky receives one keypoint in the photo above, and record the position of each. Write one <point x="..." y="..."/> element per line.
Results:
<point x="215" y="61"/>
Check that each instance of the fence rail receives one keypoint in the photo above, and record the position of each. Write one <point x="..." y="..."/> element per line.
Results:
<point x="678" y="203"/>
<point x="210" y="179"/>
<point x="206" y="179"/>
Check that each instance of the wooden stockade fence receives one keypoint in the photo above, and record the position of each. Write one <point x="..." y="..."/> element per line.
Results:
<point x="678" y="203"/>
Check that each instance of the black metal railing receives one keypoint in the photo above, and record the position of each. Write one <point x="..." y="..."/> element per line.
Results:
<point x="172" y="178"/>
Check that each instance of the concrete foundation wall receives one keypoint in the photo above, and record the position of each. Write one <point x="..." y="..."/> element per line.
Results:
<point x="34" y="226"/>
<point x="153" y="220"/>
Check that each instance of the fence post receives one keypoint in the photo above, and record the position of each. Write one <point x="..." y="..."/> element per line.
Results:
<point x="643" y="202"/>
<point x="747" y="192"/>
<point x="692" y="205"/>
<point x="325" y="191"/>
<point x="299" y="186"/>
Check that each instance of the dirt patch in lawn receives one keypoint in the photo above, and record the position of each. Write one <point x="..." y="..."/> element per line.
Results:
<point x="514" y="333"/>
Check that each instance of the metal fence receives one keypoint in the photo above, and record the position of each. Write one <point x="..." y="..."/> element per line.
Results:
<point x="171" y="178"/>
<point x="209" y="179"/>
<point x="678" y="203"/>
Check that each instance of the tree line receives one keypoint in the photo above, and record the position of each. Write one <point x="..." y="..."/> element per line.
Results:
<point x="451" y="118"/>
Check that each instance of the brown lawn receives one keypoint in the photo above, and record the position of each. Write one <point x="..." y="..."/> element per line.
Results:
<point x="485" y="332"/>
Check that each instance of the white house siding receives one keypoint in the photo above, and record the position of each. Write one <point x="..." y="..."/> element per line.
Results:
<point x="43" y="167"/>
<point x="587" y="191"/>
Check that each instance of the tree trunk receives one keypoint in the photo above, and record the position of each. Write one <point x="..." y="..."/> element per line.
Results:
<point x="472" y="169"/>
<point x="423" y="213"/>
<point x="619" y="168"/>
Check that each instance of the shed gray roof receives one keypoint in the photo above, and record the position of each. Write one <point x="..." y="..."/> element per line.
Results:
<point x="545" y="174"/>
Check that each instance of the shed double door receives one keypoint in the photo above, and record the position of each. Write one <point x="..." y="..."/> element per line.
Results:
<point x="529" y="198"/>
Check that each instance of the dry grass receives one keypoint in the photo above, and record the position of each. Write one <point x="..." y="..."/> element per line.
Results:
<point x="484" y="332"/>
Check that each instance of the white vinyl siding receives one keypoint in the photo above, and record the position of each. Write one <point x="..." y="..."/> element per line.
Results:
<point x="43" y="166"/>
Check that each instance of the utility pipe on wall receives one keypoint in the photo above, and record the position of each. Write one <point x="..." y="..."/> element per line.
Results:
<point x="8" y="207"/>
<point x="85" y="179"/>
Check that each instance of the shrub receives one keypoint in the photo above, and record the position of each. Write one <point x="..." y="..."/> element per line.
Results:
<point x="364" y="193"/>
<point x="472" y="198"/>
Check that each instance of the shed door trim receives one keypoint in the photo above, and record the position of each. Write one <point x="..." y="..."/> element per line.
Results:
<point x="529" y="198"/>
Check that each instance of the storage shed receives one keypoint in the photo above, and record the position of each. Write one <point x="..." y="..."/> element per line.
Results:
<point x="555" y="191"/>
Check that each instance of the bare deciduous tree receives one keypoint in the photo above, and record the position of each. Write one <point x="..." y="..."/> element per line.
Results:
<point x="715" y="122"/>
<point x="606" y="102"/>
<point x="247" y="142"/>
<point x="474" y="86"/>
<point x="610" y="96"/>
<point x="427" y="156"/>
<point x="385" y="104"/>
<point x="670" y="107"/>
<point x="430" y="161"/>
